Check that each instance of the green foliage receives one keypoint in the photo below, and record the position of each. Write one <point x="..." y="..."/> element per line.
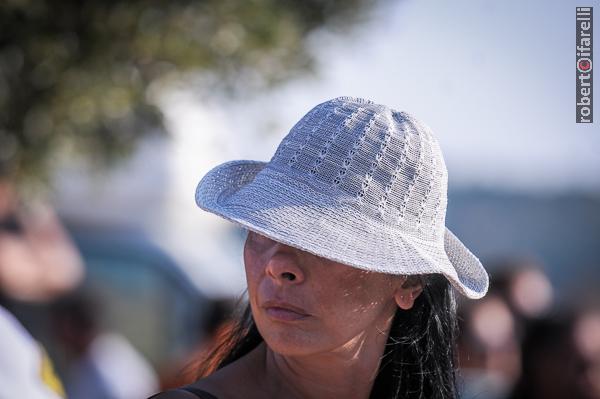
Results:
<point x="77" y="77"/>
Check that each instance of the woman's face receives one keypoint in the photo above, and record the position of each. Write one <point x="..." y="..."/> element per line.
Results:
<point x="331" y="303"/>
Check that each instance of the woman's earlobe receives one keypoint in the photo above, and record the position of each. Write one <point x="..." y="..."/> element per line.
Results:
<point x="405" y="297"/>
<point x="403" y="301"/>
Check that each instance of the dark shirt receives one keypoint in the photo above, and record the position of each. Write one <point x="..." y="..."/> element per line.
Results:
<point x="198" y="392"/>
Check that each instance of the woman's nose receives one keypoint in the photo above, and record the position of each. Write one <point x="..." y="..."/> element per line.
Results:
<point x="283" y="267"/>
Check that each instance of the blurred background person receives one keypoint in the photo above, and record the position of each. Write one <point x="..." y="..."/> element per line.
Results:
<point x="489" y="352"/>
<point x="214" y="326"/>
<point x="525" y="287"/>
<point x="38" y="262"/>
<point x="101" y="364"/>
<point x="494" y="328"/>
<point x="586" y="334"/>
<point x="560" y="357"/>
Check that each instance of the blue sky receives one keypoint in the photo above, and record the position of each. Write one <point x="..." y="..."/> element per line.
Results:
<point x="494" y="80"/>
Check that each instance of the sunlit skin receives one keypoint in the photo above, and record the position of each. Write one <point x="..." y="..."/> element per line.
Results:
<point x="333" y="351"/>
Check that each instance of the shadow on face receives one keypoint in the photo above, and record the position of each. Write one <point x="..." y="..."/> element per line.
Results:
<point x="343" y="305"/>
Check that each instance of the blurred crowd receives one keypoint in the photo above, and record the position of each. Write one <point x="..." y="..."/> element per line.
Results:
<point x="517" y="342"/>
<point x="520" y="342"/>
<point x="39" y="263"/>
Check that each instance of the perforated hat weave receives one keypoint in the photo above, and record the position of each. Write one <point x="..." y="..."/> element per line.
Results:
<point x="355" y="182"/>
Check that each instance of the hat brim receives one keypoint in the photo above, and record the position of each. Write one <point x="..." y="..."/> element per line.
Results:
<point x="301" y="215"/>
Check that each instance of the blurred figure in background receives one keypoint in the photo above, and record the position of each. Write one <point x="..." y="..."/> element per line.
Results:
<point x="217" y="323"/>
<point x="101" y="365"/>
<point x="25" y="369"/>
<point x="561" y="358"/>
<point x="586" y="333"/>
<point x="38" y="261"/>
<point x="493" y="328"/>
<point x="488" y="348"/>
<point x="525" y="287"/>
<point x="517" y="345"/>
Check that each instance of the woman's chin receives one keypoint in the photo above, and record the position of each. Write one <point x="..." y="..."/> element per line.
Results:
<point x="286" y="348"/>
<point x="290" y="343"/>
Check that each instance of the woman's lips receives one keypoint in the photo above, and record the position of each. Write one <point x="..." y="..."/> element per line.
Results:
<point x="284" y="314"/>
<point x="284" y="311"/>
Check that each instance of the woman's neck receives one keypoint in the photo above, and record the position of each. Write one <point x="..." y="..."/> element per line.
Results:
<point x="347" y="372"/>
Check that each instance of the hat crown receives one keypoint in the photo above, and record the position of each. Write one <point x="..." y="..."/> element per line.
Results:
<point x="382" y="161"/>
<point x="354" y="182"/>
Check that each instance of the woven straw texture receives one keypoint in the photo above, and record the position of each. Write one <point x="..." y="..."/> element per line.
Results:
<point x="355" y="182"/>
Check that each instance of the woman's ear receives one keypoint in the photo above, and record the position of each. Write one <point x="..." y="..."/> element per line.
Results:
<point x="408" y="291"/>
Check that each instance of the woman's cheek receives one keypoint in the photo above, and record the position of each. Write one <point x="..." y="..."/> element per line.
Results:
<point x="329" y="299"/>
<point x="251" y="264"/>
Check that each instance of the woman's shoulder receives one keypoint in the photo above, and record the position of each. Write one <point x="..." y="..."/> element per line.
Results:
<point x="236" y="380"/>
<point x="219" y="385"/>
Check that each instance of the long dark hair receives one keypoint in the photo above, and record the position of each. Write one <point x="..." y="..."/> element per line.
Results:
<point x="419" y="360"/>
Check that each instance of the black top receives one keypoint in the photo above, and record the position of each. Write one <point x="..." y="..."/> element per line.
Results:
<point x="198" y="392"/>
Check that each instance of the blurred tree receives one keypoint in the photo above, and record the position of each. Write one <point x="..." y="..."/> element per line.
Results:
<point x="77" y="77"/>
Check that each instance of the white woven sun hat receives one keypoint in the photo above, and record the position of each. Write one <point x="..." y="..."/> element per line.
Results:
<point x="355" y="182"/>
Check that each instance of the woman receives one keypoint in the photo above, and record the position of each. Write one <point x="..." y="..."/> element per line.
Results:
<point x="349" y="265"/>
